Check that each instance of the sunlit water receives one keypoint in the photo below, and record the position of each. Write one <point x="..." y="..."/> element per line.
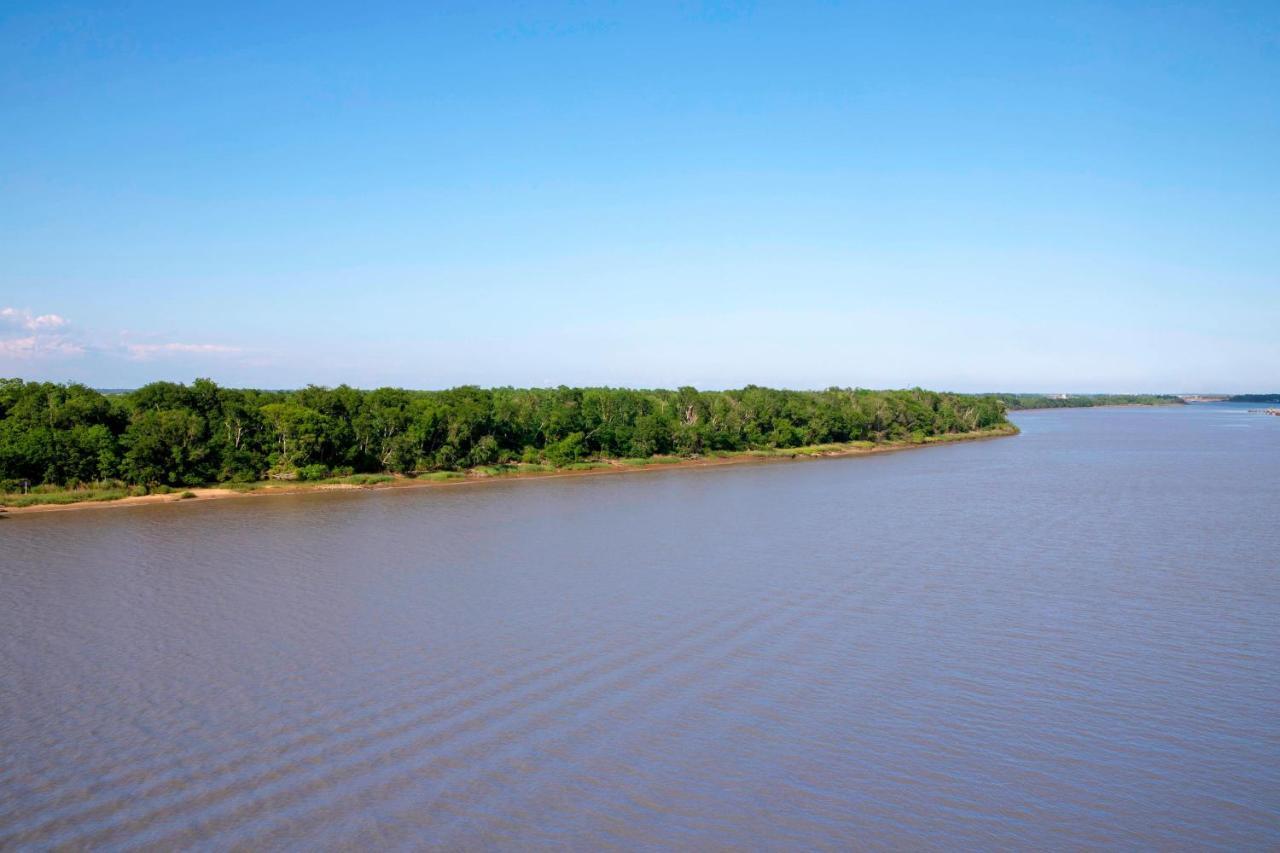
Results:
<point x="1068" y="638"/>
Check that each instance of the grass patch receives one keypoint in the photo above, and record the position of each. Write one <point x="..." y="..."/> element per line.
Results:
<point x="642" y="461"/>
<point x="241" y="487"/>
<point x="357" y="480"/>
<point x="493" y="470"/>
<point x="63" y="496"/>
<point x="348" y="480"/>
<point x="534" y="468"/>
<point x="435" y="476"/>
<point x="1005" y="429"/>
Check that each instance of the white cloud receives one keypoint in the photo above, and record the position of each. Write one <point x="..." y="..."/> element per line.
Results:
<point x="36" y="346"/>
<point x="47" y="321"/>
<point x="27" y="336"/>
<point x="18" y="347"/>
<point x="144" y="352"/>
<point x="24" y="319"/>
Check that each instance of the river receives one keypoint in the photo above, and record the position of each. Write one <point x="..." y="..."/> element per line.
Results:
<point x="1067" y="638"/>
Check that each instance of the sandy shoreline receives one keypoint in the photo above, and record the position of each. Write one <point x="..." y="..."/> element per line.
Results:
<point x="207" y="493"/>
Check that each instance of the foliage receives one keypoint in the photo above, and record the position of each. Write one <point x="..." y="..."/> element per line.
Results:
<point x="46" y="496"/>
<point x="166" y="435"/>
<point x="1014" y="402"/>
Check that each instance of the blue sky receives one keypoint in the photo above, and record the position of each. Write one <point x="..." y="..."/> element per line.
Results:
<point x="1012" y="196"/>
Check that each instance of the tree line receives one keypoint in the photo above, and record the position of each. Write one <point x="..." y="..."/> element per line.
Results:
<point x="1014" y="402"/>
<point x="176" y="434"/>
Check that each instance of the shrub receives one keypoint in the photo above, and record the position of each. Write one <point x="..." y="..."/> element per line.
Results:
<point x="485" y="451"/>
<point x="567" y="450"/>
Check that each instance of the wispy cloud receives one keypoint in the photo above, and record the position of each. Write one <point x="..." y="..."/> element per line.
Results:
<point x="146" y="352"/>
<point x="24" y="319"/>
<point x="28" y="336"/>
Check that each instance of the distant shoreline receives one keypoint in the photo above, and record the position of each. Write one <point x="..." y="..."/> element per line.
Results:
<point x="200" y="494"/>
<point x="1104" y="406"/>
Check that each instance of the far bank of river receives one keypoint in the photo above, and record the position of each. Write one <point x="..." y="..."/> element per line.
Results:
<point x="1105" y="406"/>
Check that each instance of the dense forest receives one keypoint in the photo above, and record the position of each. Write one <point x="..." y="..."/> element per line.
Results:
<point x="173" y="434"/>
<point x="1255" y="398"/>
<point x="1013" y="402"/>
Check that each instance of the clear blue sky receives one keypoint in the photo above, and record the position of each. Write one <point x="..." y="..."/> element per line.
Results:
<point x="975" y="196"/>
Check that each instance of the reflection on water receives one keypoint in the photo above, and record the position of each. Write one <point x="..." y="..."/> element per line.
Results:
<point x="1067" y="638"/>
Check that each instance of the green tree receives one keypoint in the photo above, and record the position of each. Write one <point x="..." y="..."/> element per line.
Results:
<point x="166" y="446"/>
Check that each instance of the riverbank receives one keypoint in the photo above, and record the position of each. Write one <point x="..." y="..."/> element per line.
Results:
<point x="1102" y="406"/>
<point x="495" y="473"/>
<point x="1033" y="402"/>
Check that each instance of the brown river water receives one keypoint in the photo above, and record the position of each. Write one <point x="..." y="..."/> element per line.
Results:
<point x="1066" y="639"/>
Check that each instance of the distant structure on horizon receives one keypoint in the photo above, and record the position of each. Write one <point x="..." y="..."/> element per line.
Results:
<point x="1203" y="398"/>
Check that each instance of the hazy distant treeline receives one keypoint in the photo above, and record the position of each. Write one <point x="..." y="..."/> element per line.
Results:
<point x="1255" y="398"/>
<point x="174" y="434"/>
<point x="1043" y="401"/>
